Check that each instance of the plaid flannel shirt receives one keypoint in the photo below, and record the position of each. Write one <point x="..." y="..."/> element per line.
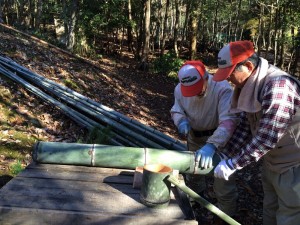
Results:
<point x="281" y="100"/>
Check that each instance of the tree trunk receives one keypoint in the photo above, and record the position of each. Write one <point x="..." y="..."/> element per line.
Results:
<point x="229" y="27"/>
<point x="277" y="22"/>
<point x="194" y="18"/>
<point x="237" y="15"/>
<point x="185" y="27"/>
<point x="282" y="43"/>
<point x="176" y="26"/>
<point x="1" y="12"/>
<point x="297" y="54"/>
<point x="129" y="27"/>
<point x="20" y="12"/>
<point x="70" y="19"/>
<point x="269" y="31"/>
<point x="146" y="43"/>
<point x="260" y="28"/>
<point x="163" y="42"/>
<point x="215" y="23"/>
<point x="140" y="32"/>
<point x="157" y="42"/>
<point x="39" y="10"/>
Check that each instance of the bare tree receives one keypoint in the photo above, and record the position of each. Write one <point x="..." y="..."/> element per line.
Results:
<point x="1" y="14"/>
<point x="194" y="18"/>
<point x="129" y="27"/>
<point x="176" y="26"/>
<point x="70" y="19"/>
<point x="163" y="42"/>
<point x="146" y="43"/>
<point x="39" y="10"/>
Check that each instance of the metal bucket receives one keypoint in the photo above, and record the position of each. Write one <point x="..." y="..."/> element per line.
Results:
<point x="155" y="189"/>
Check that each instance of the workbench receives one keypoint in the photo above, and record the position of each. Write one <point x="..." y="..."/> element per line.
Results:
<point x="66" y="194"/>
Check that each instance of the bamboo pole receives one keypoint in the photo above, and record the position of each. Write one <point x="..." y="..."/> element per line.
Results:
<point x="148" y="132"/>
<point x="80" y="119"/>
<point x="76" y="116"/>
<point x="110" y="156"/>
<point x="202" y="201"/>
<point x="116" y="156"/>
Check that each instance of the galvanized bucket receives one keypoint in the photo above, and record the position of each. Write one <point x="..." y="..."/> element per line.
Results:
<point x="155" y="189"/>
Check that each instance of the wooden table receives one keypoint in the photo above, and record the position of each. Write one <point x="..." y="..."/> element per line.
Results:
<point x="62" y="194"/>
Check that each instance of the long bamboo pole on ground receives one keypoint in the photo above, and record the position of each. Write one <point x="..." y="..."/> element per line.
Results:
<point x="124" y="138"/>
<point x="80" y="119"/>
<point x="160" y="138"/>
<point x="128" y="134"/>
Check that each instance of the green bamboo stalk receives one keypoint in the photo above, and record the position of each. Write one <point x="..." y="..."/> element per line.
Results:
<point x="116" y="156"/>
<point x="110" y="156"/>
<point x="202" y="201"/>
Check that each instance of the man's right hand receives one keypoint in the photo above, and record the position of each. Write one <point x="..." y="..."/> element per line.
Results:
<point x="204" y="155"/>
<point x="184" y="127"/>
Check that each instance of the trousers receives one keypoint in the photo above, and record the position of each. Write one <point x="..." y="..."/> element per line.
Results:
<point x="226" y="191"/>
<point x="281" y="204"/>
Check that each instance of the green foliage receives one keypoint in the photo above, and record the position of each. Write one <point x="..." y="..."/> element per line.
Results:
<point x="167" y="64"/>
<point x="16" y="168"/>
<point x="99" y="136"/>
<point x="252" y="25"/>
<point x="70" y="84"/>
<point x="98" y="17"/>
<point x="173" y="75"/>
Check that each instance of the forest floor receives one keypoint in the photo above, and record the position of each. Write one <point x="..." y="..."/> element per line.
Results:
<point x="114" y="82"/>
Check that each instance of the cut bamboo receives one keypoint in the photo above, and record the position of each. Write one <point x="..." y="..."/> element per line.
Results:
<point x="116" y="156"/>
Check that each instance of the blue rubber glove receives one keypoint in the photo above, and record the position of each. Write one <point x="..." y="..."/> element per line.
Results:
<point x="205" y="155"/>
<point x="184" y="127"/>
<point x="224" y="169"/>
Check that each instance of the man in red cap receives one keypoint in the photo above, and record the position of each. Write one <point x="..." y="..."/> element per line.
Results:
<point x="200" y="112"/>
<point x="268" y="100"/>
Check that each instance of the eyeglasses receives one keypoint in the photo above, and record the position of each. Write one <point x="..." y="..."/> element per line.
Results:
<point x="233" y="71"/>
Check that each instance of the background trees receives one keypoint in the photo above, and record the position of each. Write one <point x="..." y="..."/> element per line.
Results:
<point x="145" y="27"/>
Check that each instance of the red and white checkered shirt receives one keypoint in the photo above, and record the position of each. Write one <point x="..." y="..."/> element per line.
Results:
<point x="281" y="100"/>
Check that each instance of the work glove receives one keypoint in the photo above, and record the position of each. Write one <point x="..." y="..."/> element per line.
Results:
<point x="204" y="156"/>
<point x="224" y="169"/>
<point x="184" y="127"/>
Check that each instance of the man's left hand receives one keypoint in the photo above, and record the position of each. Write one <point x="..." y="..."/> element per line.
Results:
<point x="224" y="169"/>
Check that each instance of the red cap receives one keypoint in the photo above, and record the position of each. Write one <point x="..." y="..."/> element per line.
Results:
<point x="191" y="78"/>
<point x="230" y="55"/>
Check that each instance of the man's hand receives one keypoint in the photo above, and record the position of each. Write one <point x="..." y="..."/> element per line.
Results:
<point x="224" y="169"/>
<point x="205" y="155"/>
<point x="184" y="127"/>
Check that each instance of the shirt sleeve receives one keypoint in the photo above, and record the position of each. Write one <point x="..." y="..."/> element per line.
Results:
<point x="241" y="134"/>
<point x="279" y="104"/>
<point x="227" y="120"/>
<point x="177" y="112"/>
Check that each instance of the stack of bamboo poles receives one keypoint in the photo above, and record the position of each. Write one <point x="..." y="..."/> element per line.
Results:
<point x="88" y="113"/>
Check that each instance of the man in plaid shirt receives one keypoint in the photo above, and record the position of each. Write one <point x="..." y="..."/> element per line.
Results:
<point x="268" y="100"/>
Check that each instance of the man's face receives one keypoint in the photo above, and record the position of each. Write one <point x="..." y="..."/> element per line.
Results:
<point x="240" y="75"/>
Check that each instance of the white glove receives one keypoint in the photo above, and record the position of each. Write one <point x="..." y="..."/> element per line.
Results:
<point x="224" y="169"/>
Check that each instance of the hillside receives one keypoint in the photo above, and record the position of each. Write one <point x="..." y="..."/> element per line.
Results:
<point x="113" y="82"/>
